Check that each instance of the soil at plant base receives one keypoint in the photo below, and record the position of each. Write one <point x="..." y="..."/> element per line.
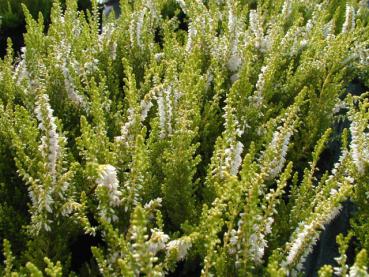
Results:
<point x="16" y="35"/>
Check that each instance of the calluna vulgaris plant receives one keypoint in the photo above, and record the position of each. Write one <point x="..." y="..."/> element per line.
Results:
<point x="186" y="137"/>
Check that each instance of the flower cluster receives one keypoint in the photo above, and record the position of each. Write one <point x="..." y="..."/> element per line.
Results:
<point x="358" y="145"/>
<point x="108" y="184"/>
<point x="349" y="23"/>
<point x="180" y="247"/>
<point x="157" y="241"/>
<point x="50" y="141"/>
<point x="108" y="179"/>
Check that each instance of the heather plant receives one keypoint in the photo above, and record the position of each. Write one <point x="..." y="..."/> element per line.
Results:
<point x="185" y="137"/>
<point x="12" y="15"/>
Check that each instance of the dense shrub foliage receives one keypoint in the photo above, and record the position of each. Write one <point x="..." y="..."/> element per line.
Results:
<point x="186" y="137"/>
<point x="11" y="13"/>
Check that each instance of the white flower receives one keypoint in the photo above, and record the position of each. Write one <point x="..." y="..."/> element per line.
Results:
<point x="340" y="105"/>
<point x="333" y="192"/>
<point x="49" y="142"/>
<point x="328" y="29"/>
<point x="287" y="8"/>
<point x="257" y="98"/>
<point x="237" y="159"/>
<point x="257" y="240"/>
<point x="356" y="271"/>
<point x="234" y="238"/>
<point x="153" y="204"/>
<point x="169" y="110"/>
<point x="157" y="241"/>
<point x="126" y="136"/>
<point x="69" y="87"/>
<point x="192" y="32"/>
<point x="108" y="178"/>
<point x="235" y="77"/>
<point x="257" y="246"/>
<point x="280" y="143"/>
<point x="349" y="23"/>
<point x="162" y="114"/>
<point x="91" y="66"/>
<point x="131" y="31"/>
<point x="139" y="26"/>
<point x="181" y="246"/>
<point x="166" y="98"/>
<point x="349" y="179"/>
<point x="268" y="225"/>
<point x="232" y="20"/>
<point x="338" y="269"/>
<point x="145" y="108"/>
<point x="233" y="153"/>
<point x="256" y="28"/>
<point x="306" y="238"/>
<point x="106" y="34"/>
<point x="159" y="56"/>
<point x="358" y="145"/>
<point x="135" y="27"/>
<point x="182" y="4"/>
<point x="21" y="73"/>
<point x="298" y="243"/>
<point x="234" y="63"/>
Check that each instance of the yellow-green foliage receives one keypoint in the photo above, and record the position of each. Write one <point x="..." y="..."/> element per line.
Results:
<point x="185" y="132"/>
<point x="11" y="12"/>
